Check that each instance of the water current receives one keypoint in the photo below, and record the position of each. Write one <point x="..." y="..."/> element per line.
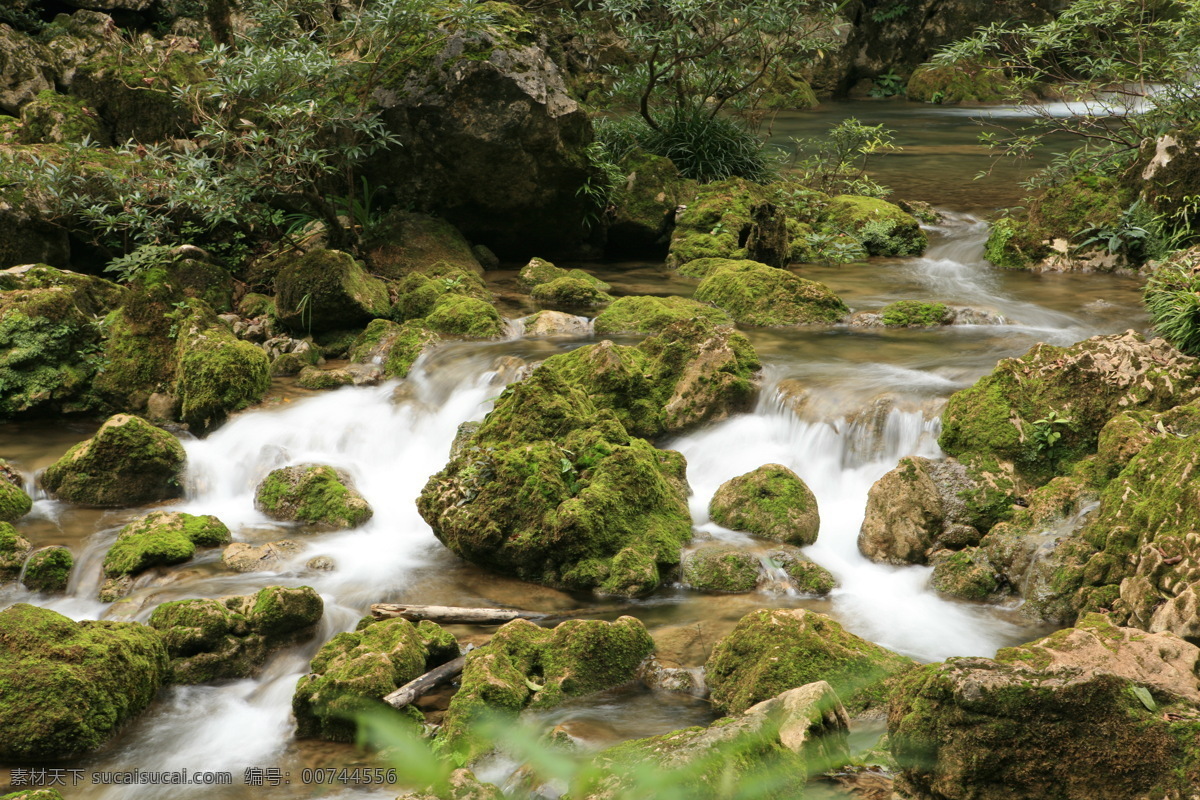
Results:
<point x="839" y="405"/>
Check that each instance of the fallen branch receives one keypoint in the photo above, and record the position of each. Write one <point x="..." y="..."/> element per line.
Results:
<point x="453" y="615"/>
<point x="418" y="688"/>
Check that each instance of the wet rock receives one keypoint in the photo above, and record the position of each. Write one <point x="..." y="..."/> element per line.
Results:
<point x="69" y="686"/>
<point x="915" y="314"/>
<point x="771" y="502"/>
<point x="688" y="645"/>
<point x="353" y="671"/>
<point x="404" y="242"/>
<point x="721" y="568"/>
<point x="967" y="315"/>
<point x="242" y="557"/>
<point x="756" y="294"/>
<point x="48" y="570"/>
<point x="14" y="502"/>
<point x="557" y="323"/>
<point x="209" y="640"/>
<point x="524" y="666"/>
<point x="644" y="205"/>
<point x="14" y="549"/>
<point x="325" y="290"/>
<point x="646" y="314"/>
<point x="772" y="651"/>
<point x="1092" y="695"/>
<point x="321" y="564"/>
<point x="26" y="68"/>
<point x="128" y="462"/>
<point x="159" y="539"/>
<point x="52" y="118"/>
<point x="569" y="292"/>
<point x="807" y="576"/>
<point x="321" y="379"/>
<point x="724" y="219"/>
<point x="312" y="493"/>
<point x="661" y="677"/>
<point x="393" y="348"/>
<point x="883" y="228"/>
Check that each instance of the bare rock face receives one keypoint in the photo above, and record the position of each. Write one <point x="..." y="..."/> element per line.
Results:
<point x="26" y="68"/>
<point x="493" y="143"/>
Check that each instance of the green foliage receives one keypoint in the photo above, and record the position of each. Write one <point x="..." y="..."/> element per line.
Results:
<point x="889" y="84"/>
<point x="1172" y="297"/>
<point x="142" y="260"/>
<point x="1045" y="432"/>
<point x="886" y="12"/>
<point x="702" y="146"/>
<point x="837" y="163"/>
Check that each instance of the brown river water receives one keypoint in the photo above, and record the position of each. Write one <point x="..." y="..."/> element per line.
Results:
<point x="872" y="396"/>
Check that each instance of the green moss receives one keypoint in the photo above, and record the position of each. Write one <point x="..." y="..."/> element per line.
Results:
<point x="254" y="305"/>
<point x="134" y="93"/>
<point x="755" y="294"/>
<point x="1004" y="245"/>
<point x="218" y="374"/>
<point x="232" y="637"/>
<point x="52" y="118"/>
<point x="717" y="222"/>
<point x="162" y="538"/>
<point x="720" y="568"/>
<point x="312" y="493"/>
<point x="418" y="293"/>
<point x="569" y="292"/>
<point x="784" y="91"/>
<point x="465" y="316"/>
<point x="965" y="574"/>
<point x="915" y="314"/>
<point x="643" y="205"/>
<point x="336" y="344"/>
<point x="539" y="272"/>
<point x="962" y="82"/>
<point x="883" y="228"/>
<point x="353" y="671"/>
<point x="128" y="462"/>
<point x="646" y="314"/>
<point x="92" y="295"/>
<point x="403" y="243"/>
<point x="807" y="576"/>
<point x="524" y="666"/>
<point x="393" y="347"/>
<point x="67" y="686"/>
<point x="772" y="502"/>
<point x="322" y="379"/>
<point x="770" y="652"/>
<point x="45" y="343"/>
<point x="48" y="570"/>
<point x="33" y="794"/>
<point x="326" y="290"/>
<point x="14" y="503"/>
<point x="137" y="359"/>
<point x="14" y="548"/>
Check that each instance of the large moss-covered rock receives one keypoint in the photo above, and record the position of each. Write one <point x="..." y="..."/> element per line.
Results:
<point x="772" y="651"/>
<point x="14" y="502"/>
<point x="756" y="294"/>
<point x="539" y="272"/>
<point x="883" y="228"/>
<point x="644" y="204"/>
<point x="354" y="671"/>
<point x="1044" y="410"/>
<point x="217" y="373"/>
<point x="404" y="242"/>
<point x="569" y="292"/>
<point x="312" y="493"/>
<point x="524" y="666"/>
<point x="44" y="342"/>
<point x="469" y="317"/>
<point x="648" y="314"/>
<point x="26" y="70"/>
<point x="805" y="575"/>
<point x="732" y="219"/>
<point x="772" y="502"/>
<point x="325" y="290"/>
<point x="1022" y="725"/>
<point x="134" y="95"/>
<point x="232" y="637"/>
<point x="66" y="687"/>
<point x="127" y="463"/>
<point x="14" y="549"/>
<point x="915" y="314"/>
<point x="721" y="568"/>
<point x="394" y="348"/>
<point x="159" y="539"/>
<point x="962" y="82"/>
<point x="48" y="570"/>
<point x="797" y="734"/>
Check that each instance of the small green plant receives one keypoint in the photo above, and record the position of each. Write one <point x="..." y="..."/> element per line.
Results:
<point x="837" y="163"/>
<point x="889" y="84"/>
<point x="1046" y="432"/>
<point x="145" y="258"/>
<point x="890" y="11"/>
<point x="1172" y="297"/>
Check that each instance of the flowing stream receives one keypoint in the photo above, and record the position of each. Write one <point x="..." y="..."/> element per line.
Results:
<point x="839" y="405"/>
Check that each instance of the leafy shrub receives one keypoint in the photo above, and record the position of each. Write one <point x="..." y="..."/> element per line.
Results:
<point x="1172" y="297"/>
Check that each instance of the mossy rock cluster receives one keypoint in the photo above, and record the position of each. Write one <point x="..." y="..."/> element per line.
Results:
<point x="647" y="314"/>
<point x="324" y="290"/>
<point x="915" y="314"/>
<point x="209" y="640"/>
<point x="525" y="666"/>
<point x="14" y="549"/>
<point x="448" y="299"/>
<point x="128" y="462"/>
<point x="403" y="243"/>
<point x="353" y="671"/>
<point x="558" y="287"/>
<point x="807" y="576"/>
<point x="772" y="651"/>
<point x="558" y="486"/>
<point x="539" y="272"/>
<point x="756" y="294"/>
<point x="312" y="493"/>
<point x="732" y="219"/>
<point x="1014" y="413"/>
<point x="721" y="568"/>
<point x="771" y="502"/>
<point x="14" y="502"/>
<point x="395" y="348"/>
<point x="67" y="687"/>
<point x="883" y="228"/>
<point x="1018" y="727"/>
<point x="137" y="101"/>
<point x="962" y="82"/>
<point x="159" y="539"/>
<point x="48" y="570"/>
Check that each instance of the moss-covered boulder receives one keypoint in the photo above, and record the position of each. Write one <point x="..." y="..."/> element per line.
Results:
<point x="66" y="686"/>
<point x="134" y="96"/>
<point x="883" y="228"/>
<point x="44" y="342"/>
<point x="756" y="294"/>
<point x="648" y="314"/>
<point x="353" y="671"/>
<point x="797" y="734"/>
<point x="1044" y="410"/>
<point x="643" y="205"/>
<point x="128" y="462"/>
<point x="524" y="666"/>
<point x="915" y="314"/>
<point x="772" y="651"/>
<point x="733" y="219"/>
<point x="322" y="379"/>
<point x="962" y="82"/>
<point x="394" y="348"/>
<point x="188" y="273"/>
<point x="52" y="118"/>
<point x="217" y="373"/>
<point x="1019" y="727"/>
<point x="244" y="557"/>
<point x="805" y="575"/>
<point x="14" y="549"/>
<point x="48" y="570"/>
<point x="312" y="493"/>
<point x="404" y="242"/>
<point x="539" y="272"/>
<point x="772" y="502"/>
<point x="417" y="293"/>
<point x="14" y="502"/>
<point x="468" y="317"/>
<point x="232" y="637"/>
<point x="325" y="290"/>
<point x="569" y="292"/>
<point x="916" y="508"/>
<point x="721" y="568"/>
<point x="159" y="539"/>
